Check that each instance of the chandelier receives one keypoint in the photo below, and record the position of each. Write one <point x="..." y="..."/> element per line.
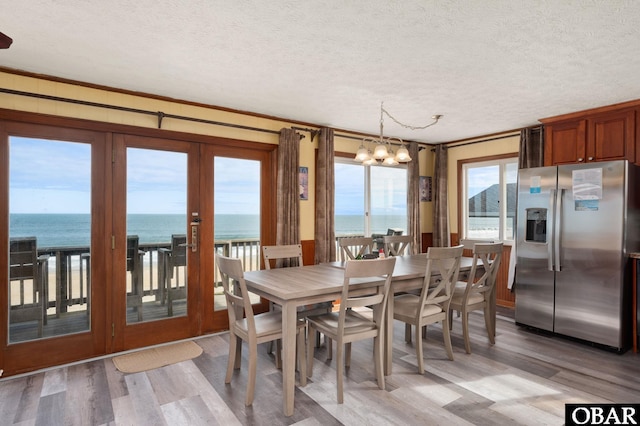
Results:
<point x="383" y="152"/>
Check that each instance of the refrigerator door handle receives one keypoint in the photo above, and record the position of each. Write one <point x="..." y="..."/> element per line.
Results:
<point x="550" y="230"/>
<point x="557" y="230"/>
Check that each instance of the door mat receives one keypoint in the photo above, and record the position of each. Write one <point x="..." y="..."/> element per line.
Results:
<point x="160" y="356"/>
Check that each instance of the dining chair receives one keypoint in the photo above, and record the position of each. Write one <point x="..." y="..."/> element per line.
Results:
<point x="476" y="293"/>
<point x="27" y="282"/>
<point x="134" y="266"/>
<point x="252" y="328"/>
<point x="173" y="263"/>
<point x="397" y="245"/>
<point x="432" y="304"/>
<point x="347" y="325"/>
<point x="290" y="255"/>
<point x="352" y="248"/>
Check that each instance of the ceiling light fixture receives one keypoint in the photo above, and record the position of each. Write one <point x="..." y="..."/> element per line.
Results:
<point x="383" y="153"/>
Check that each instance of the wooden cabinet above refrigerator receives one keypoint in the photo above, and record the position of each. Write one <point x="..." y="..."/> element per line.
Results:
<point x="602" y="134"/>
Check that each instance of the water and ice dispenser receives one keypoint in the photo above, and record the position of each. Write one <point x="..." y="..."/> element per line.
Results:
<point x="536" y="225"/>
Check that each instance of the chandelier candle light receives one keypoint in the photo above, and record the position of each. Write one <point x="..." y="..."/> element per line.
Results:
<point x="383" y="153"/>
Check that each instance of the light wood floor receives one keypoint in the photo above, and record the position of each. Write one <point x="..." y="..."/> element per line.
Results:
<point x="526" y="378"/>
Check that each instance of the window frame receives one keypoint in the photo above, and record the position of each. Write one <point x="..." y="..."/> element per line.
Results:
<point x="500" y="160"/>
<point x="347" y="158"/>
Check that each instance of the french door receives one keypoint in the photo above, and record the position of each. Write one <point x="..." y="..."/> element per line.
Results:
<point x="135" y="222"/>
<point x="53" y="254"/>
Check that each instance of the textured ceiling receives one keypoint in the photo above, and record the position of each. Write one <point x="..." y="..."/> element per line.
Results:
<point x="486" y="66"/>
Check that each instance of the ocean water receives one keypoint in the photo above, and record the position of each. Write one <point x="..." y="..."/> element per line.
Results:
<point x="60" y="230"/>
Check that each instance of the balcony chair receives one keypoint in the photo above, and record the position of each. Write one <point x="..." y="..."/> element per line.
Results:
<point x="476" y="293"/>
<point x="355" y="247"/>
<point x="291" y="256"/>
<point x="250" y="327"/>
<point x="397" y="245"/>
<point x="378" y="239"/>
<point x="29" y="273"/>
<point x="169" y="261"/>
<point x="347" y="325"/>
<point x="432" y="304"/>
<point x="134" y="266"/>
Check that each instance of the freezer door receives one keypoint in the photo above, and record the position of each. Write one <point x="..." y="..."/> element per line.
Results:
<point x="534" y="283"/>
<point x="589" y="285"/>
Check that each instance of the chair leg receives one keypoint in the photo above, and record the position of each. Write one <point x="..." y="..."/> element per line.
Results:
<point x="310" y="350"/>
<point x="465" y="331"/>
<point x="488" y="322"/>
<point x="377" y="354"/>
<point x="302" y="356"/>
<point x="329" y="344"/>
<point x="450" y="315"/>
<point x="419" y="349"/>
<point x="347" y="355"/>
<point x="279" y="354"/>
<point x="231" y="361"/>
<point x="407" y="333"/>
<point x="446" y="334"/>
<point x="339" y="371"/>
<point x="251" y="380"/>
<point x="424" y="332"/>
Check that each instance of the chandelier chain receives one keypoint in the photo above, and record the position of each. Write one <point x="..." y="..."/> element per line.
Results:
<point x="406" y="126"/>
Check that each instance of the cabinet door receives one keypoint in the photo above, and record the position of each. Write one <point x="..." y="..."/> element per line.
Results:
<point x="611" y="136"/>
<point x="565" y="142"/>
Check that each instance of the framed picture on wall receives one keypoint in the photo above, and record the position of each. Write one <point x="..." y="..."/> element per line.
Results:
<point x="303" y="179"/>
<point x="425" y="188"/>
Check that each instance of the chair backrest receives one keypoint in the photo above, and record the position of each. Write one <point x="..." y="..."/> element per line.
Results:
<point x="380" y="269"/>
<point x="468" y="244"/>
<point x="133" y="259"/>
<point x="282" y="255"/>
<point x="355" y="247"/>
<point x="178" y="250"/>
<point x="490" y="255"/>
<point x="23" y="258"/>
<point x="445" y="262"/>
<point x="396" y="245"/>
<point x="235" y="290"/>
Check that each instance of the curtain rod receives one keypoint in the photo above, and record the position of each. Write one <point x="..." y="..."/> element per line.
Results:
<point x="479" y="141"/>
<point x="159" y="114"/>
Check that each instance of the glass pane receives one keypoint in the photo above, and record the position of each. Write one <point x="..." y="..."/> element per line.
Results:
<point x="349" y="199"/>
<point x="236" y="222"/>
<point x="511" y="181"/>
<point x="156" y="265"/>
<point x="388" y="200"/>
<point x="49" y="238"/>
<point x="483" y="189"/>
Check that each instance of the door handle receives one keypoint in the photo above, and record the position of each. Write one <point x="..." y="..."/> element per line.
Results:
<point x="551" y="236"/>
<point x="558" y="230"/>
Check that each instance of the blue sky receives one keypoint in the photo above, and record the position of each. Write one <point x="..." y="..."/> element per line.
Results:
<point x="54" y="177"/>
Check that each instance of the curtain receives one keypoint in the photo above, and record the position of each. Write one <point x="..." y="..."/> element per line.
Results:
<point x="531" y="148"/>
<point x="288" y="194"/>
<point x="441" y="235"/>
<point x="325" y="238"/>
<point x="413" y="198"/>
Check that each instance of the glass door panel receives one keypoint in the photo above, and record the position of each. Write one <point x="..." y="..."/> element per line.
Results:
<point x="236" y="194"/>
<point x="49" y="238"/>
<point x="156" y="258"/>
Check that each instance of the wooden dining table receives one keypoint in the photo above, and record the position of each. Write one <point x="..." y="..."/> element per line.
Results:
<point x="293" y="287"/>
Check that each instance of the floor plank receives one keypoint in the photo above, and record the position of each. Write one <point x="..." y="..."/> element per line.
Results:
<point x="525" y="378"/>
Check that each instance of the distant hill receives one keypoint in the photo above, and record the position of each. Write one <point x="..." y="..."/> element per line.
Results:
<point x="485" y="203"/>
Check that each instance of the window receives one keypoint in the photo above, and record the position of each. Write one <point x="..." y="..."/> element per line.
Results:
<point x="488" y="198"/>
<point x="369" y="199"/>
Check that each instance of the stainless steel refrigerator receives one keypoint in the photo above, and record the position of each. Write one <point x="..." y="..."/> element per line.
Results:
<point x="576" y="225"/>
